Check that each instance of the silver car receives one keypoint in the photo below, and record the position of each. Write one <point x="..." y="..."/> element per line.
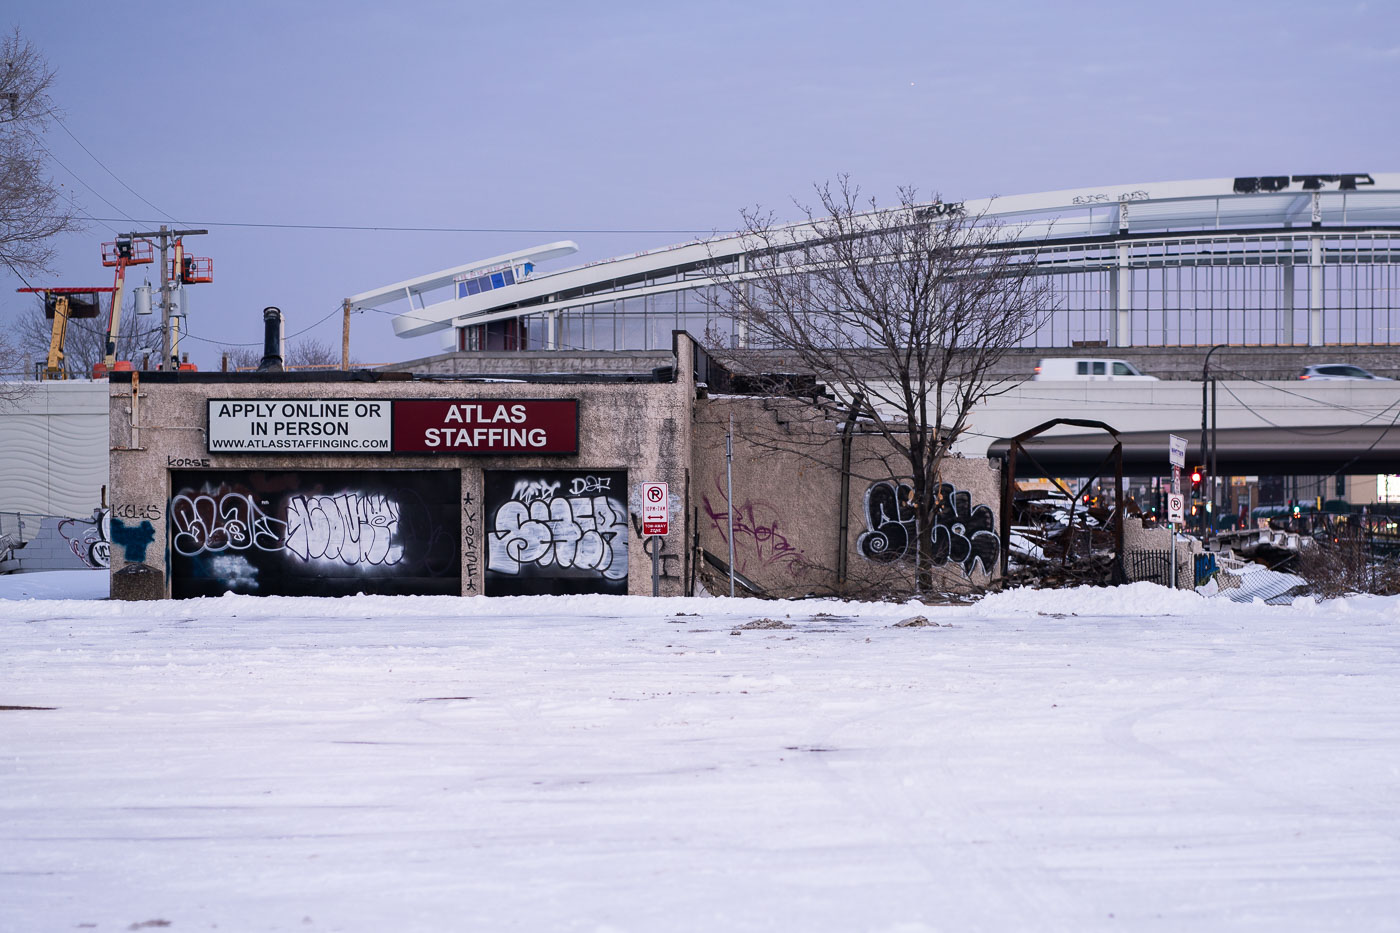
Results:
<point x="1326" y="372"/>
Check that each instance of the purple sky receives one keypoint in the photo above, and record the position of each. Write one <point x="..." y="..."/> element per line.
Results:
<point x="640" y="117"/>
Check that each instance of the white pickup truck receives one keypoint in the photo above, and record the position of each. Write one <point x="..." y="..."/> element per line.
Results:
<point x="1096" y="369"/>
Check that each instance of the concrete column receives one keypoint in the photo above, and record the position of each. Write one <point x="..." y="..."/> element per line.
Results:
<point x="1123" y="300"/>
<point x="1290" y="323"/>
<point x="1315" y="291"/>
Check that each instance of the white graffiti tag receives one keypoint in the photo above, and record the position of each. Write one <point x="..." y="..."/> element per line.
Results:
<point x="529" y="490"/>
<point x="584" y="533"/>
<point x="226" y="522"/>
<point x="350" y="528"/>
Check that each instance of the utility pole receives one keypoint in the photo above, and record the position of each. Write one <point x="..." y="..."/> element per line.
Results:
<point x="345" y="337"/>
<point x="1204" y="458"/>
<point x="165" y="235"/>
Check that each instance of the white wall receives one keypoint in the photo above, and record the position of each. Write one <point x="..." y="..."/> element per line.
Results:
<point x="53" y="448"/>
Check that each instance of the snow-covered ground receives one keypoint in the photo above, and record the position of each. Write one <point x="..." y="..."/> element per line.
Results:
<point x="1131" y="759"/>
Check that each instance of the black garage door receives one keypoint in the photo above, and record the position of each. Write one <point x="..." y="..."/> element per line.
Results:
<point x="315" y="532"/>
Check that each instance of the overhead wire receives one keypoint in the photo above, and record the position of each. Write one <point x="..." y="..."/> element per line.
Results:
<point x="386" y="228"/>
<point x="1304" y="431"/>
<point x="257" y="343"/>
<point x="79" y="179"/>
<point x="105" y="168"/>
<point x="1279" y="388"/>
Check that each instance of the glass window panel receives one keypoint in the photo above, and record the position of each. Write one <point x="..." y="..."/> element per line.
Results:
<point x="497" y="280"/>
<point x="473" y="286"/>
<point x="570" y="334"/>
<point x="1099" y="368"/>
<point x="508" y="276"/>
<point x="634" y="336"/>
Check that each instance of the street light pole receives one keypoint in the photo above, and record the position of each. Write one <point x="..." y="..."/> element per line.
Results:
<point x="1206" y="461"/>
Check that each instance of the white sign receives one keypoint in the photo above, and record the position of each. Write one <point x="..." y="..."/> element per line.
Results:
<point x="1176" y="508"/>
<point x="1176" y="448"/>
<point x="656" y="510"/>
<point x="298" y="425"/>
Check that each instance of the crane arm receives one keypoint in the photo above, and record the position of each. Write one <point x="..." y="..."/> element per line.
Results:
<point x="56" y="338"/>
<point x="114" y="320"/>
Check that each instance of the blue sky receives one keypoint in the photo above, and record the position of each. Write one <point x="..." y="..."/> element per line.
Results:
<point x="650" y="119"/>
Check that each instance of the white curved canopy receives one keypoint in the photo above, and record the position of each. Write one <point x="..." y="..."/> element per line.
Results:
<point x="1348" y="199"/>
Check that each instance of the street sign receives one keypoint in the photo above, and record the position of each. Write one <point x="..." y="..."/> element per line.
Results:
<point x="656" y="510"/>
<point x="1176" y="449"/>
<point x="1176" y="508"/>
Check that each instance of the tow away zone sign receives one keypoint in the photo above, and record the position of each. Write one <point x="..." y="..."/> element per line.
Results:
<point x="656" y="510"/>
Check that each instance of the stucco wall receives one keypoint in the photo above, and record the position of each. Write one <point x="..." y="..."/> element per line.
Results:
<point x="643" y="428"/>
<point x="787" y="493"/>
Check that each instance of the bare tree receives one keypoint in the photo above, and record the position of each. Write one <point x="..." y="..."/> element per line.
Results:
<point x="903" y="311"/>
<point x="12" y="371"/>
<point x="85" y="343"/>
<point x="306" y="353"/>
<point x="311" y="353"/>
<point x="235" y="357"/>
<point x="32" y="210"/>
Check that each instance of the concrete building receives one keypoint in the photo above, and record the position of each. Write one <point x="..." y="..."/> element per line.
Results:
<point x="340" y="483"/>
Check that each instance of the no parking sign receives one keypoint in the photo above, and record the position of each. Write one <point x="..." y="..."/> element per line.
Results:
<point x="656" y="511"/>
<point x="1176" y="508"/>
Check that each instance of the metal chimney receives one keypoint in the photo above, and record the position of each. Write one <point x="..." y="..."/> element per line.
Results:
<point x="272" y="341"/>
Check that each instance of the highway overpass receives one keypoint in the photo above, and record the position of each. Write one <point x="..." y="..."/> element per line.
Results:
<point x="1264" y="427"/>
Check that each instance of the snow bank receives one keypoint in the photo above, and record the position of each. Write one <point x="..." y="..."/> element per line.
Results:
<point x="55" y="584"/>
<point x="1134" y="599"/>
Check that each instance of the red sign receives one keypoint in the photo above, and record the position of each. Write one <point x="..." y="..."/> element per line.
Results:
<point x="486" y="426"/>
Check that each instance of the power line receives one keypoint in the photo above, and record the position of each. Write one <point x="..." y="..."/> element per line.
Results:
<point x="90" y="153"/>
<point x="258" y="343"/>
<point x="399" y="229"/>
<point x="1306" y="398"/>
<point x="17" y="272"/>
<point x="1305" y="431"/>
<point x="78" y="178"/>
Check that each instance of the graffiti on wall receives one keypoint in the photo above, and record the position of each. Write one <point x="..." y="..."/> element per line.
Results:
<point x="555" y="531"/>
<point x="315" y="532"/>
<point x="758" y="539"/>
<point x="216" y="520"/>
<point x="133" y="539"/>
<point x="962" y="534"/>
<point x="471" y="552"/>
<point x="90" y="538"/>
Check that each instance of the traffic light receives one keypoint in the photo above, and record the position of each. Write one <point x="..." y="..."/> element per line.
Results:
<point x="1198" y="480"/>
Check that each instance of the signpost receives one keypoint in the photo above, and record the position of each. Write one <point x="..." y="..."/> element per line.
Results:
<point x="656" y="521"/>
<point x="1176" y="502"/>
<point x="1176" y="508"/>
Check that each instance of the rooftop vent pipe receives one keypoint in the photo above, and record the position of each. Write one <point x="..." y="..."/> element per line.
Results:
<point x="272" y="341"/>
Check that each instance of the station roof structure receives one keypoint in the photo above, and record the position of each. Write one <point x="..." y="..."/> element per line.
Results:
<point x="1268" y="203"/>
